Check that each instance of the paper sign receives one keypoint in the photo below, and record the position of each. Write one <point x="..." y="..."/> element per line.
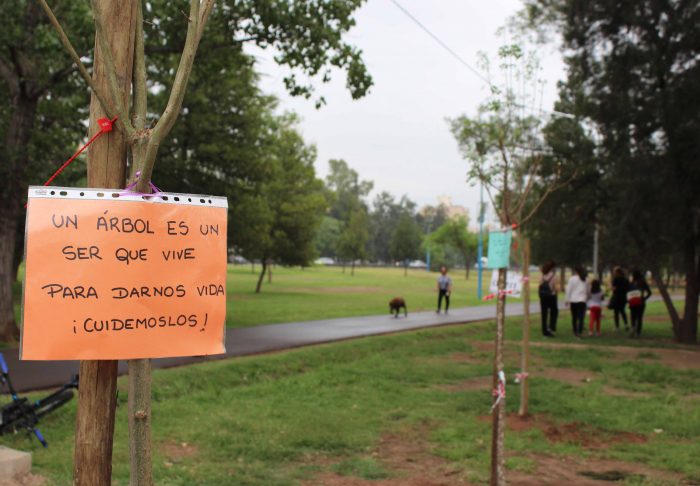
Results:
<point x="514" y="283"/>
<point x="114" y="275"/>
<point x="499" y="249"/>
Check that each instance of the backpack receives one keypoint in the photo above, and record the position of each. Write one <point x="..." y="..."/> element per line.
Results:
<point x="545" y="290"/>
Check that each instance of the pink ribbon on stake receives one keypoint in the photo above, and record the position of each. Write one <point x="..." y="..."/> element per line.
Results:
<point x="501" y="293"/>
<point x="128" y="190"/>
<point x="499" y="392"/>
<point x="521" y="376"/>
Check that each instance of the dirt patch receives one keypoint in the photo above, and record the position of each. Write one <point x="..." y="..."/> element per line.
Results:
<point x="471" y="384"/>
<point x="177" y="451"/>
<point x="28" y="480"/>
<point x="409" y="458"/>
<point x="620" y="392"/>
<point x="681" y="357"/>
<point x="486" y="346"/>
<point x="465" y="358"/>
<point x="590" y="437"/>
<point x="550" y="470"/>
<point x="572" y="376"/>
<point x="572" y="433"/>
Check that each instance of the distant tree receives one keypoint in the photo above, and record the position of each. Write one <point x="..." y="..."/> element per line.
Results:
<point x="278" y="224"/>
<point x="640" y="75"/>
<point x="430" y="218"/>
<point x="40" y="123"/>
<point x="383" y="218"/>
<point x="352" y="244"/>
<point x="455" y="234"/>
<point x="562" y="229"/>
<point x="327" y="237"/>
<point x="346" y="190"/>
<point x="406" y="241"/>
<point x="440" y="253"/>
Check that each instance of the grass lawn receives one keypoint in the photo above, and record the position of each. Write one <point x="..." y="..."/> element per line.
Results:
<point x="412" y="409"/>
<point x="326" y="292"/>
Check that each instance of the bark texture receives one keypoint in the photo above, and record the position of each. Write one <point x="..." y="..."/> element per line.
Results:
<point x="140" y="422"/>
<point x="92" y="465"/>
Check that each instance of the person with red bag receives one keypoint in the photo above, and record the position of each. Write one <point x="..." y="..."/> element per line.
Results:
<point x="637" y="296"/>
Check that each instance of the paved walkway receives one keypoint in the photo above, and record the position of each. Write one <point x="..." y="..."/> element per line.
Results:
<point x="34" y="375"/>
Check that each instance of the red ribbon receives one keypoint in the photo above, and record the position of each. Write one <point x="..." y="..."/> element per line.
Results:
<point x="501" y="293"/>
<point x="105" y="126"/>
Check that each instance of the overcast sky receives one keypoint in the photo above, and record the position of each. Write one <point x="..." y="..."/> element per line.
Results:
<point x="397" y="135"/>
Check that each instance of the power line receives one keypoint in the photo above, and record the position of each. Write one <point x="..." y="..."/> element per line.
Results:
<point x="461" y="60"/>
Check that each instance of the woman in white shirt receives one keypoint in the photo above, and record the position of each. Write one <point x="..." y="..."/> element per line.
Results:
<point x="576" y="297"/>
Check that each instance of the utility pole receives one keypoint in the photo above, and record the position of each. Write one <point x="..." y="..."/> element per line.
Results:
<point x="94" y="427"/>
<point x="595" y="250"/>
<point x="480" y="250"/>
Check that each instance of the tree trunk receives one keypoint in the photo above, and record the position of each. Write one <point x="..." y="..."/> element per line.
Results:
<point x="94" y="427"/>
<point x="269" y="272"/>
<point x="106" y="168"/>
<point x="343" y="266"/>
<point x="140" y="422"/>
<point x="562" y="279"/>
<point x="688" y="328"/>
<point x="499" y="410"/>
<point x="525" y="356"/>
<point x="252" y="266"/>
<point x="263" y="262"/>
<point x="17" y="136"/>
<point x="670" y="306"/>
<point x="8" y="327"/>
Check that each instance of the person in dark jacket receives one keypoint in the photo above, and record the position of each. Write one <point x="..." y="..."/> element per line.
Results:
<point x="549" y="306"/>
<point x="618" y="300"/>
<point x="637" y="296"/>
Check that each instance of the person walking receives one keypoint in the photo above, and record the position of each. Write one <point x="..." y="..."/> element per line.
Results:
<point x="549" y="306"/>
<point x="576" y="297"/>
<point x="444" y="288"/>
<point x="618" y="299"/>
<point x="595" y="307"/>
<point x="637" y="296"/>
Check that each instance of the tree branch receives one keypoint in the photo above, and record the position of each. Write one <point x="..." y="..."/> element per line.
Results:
<point x="139" y="83"/>
<point x="530" y="184"/>
<point x="549" y="190"/>
<point x="108" y="109"/>
<point x="204" y="14"/>
<point x="484" y="179"/>
<point x="111" y="71"/>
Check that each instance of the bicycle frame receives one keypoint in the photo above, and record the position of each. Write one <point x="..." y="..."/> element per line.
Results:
<point x="22" y="414"/>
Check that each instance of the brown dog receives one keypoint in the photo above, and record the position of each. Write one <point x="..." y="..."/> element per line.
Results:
<point x="396" y="304"/>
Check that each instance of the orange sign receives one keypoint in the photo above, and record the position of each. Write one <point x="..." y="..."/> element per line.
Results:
<point x="121" y="276"/>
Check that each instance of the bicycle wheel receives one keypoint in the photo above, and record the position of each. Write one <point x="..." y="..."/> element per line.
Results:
<point x="51" y="403"/>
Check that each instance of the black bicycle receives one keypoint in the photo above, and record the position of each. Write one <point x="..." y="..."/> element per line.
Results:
<point x="21" y="414"/>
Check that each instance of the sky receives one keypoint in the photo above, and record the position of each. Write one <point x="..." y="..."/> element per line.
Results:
<point x="397" y="135"/>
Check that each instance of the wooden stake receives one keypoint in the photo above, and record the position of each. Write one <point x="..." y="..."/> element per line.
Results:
<point x="140" y="422"/>
<point x="97" y="396"/>
<point x="525" y="355"/>
<point x="499" y="411"/>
